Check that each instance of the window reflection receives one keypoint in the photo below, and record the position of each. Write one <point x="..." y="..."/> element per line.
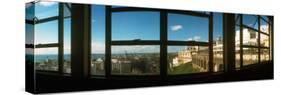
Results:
<point x="264" y="26"/>
<point x="251" y="53"/>
<point x="264" y="55"/>
<point x="264" y="40"/>
<point x="218" y="42"/>
<point x="251" y="21"/>
<point x="250" y="37"/>
<point x="237" y="41"/>
<point x="250" y="56"/>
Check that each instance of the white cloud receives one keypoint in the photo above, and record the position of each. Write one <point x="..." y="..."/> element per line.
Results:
<point x="196" y="38"/>
<point x="189" y="39"/>
<point x="98" y="47"/>
<point x="46" y="4"/>
<point x="46" y="51"/>
<point x="176" y="27"/>
<point x="93" y="20"/>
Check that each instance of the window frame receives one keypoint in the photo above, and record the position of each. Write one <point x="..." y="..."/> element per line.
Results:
<point x="163" y="42"/>
<point x="60" y="44"/>
<point x="242" y="26"/>
<point x="199" y="44"/>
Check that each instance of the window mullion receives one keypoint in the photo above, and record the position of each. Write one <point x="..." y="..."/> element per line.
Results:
<point x="163" y="39"/>
<point x="241" y="41"/>
<point x="61" y="33"/>
<point x="108" y="16"/>
<point x="211" y="65"/>
<point x="259" y="39"/>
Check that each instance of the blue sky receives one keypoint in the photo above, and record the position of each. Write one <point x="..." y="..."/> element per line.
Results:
<point x="136" y="25"/>
<point x="186" y="28"/>
<point x="126" y="26"/>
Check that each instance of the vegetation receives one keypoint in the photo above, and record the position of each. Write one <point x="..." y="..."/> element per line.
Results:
<point x="183" y="69"/>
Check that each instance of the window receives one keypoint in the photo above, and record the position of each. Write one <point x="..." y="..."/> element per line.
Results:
<point x="218" y="42"/>
<point x="66" y="38"/>
<point x="134" y="41"/>
<point x="67" y="46"/>
<point x="46" y="36"/>
<point x="135" y="44"/>
<point x="251" y="21"/>
<point x="98" y="40"/>
<point x="52" y="36"/>
<point x="29" y="34"/>
<point x="188" y="38"/>
<point x="237" y="41"/>
<point x="255" y="39"/>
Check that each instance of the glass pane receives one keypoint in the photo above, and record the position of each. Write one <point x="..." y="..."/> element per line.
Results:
<point x="46" y="9"/>
<point x="264" y="27"/>
<point x="250" y="56"/>
<point x="250" y="37"/>
<point x="187" y="59"/>
<point x="265" y="18"/>
<point x="66" y="10"/>
<point x="29" y="56"/>
<point x="264" y="55"/>
<point x="135" y="60"/>
<point x="29" y="30"/>
<point x="251" y="21"/>
<point x="237" y="60"/>
<point x="46" y="32"/>
<point x="187" y="28"/>
<point x="29" y="11"/>
<point x="46" y="59"/>
<point x="135" y="26"/>
<point x="98" y="40"/>
<point x="264" y="40"/>
<point x="67" y="45"/>
<point x="237" y="19"/>
<point x="218" y="42"/>
<point x="237" y="47"/>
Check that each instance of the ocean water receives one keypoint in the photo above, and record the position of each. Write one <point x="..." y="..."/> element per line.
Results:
<point x="41" y="58"/>
<point x="67" y="57"/>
